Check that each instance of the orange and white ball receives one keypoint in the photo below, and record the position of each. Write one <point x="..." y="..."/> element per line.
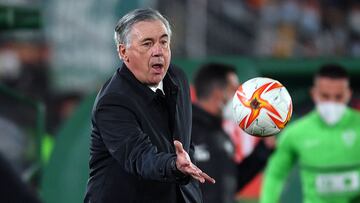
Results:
<point x="262" y="106"/>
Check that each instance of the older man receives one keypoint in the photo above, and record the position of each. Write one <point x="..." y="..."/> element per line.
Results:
<point x="141" y="137"/>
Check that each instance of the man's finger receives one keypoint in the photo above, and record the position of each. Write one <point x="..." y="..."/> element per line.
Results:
<point x="199" y="175"/>
<point x="178" y="147"/>
<point x="192" y="171"/>
<point x="204" y="175"/>
<point x="208" y="178"/>
<point x="199" y="178"/>
<point x="196" y="175"/>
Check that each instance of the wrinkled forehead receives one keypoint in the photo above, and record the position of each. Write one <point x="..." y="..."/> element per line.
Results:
<point x="149" y="29"/>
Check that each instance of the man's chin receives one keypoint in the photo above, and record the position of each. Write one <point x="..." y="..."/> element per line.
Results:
<point x="156" y="80"/>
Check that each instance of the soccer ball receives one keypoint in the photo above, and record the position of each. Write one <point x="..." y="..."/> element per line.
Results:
<point x="262" y="107"/>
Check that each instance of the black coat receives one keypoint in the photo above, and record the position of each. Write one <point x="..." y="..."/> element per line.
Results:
<point x="214" y="153"/>
<point x="132" y="156"/>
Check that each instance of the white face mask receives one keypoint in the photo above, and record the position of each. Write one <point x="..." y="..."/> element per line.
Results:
<point x="331" y="112"/>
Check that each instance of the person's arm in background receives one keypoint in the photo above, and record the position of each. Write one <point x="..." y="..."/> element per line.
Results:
<point x="278" y="168"/>
<point x="253" y="164"/>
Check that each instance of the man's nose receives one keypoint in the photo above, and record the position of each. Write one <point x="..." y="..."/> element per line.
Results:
<point x="157" y="50"/>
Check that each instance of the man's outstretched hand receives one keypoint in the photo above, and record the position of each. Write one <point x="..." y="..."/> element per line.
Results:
<point x="184" y="164"/>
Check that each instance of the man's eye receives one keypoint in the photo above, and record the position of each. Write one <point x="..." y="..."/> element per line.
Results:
<point x="164" y="42"/>
<point x="325" y="96"/>
<point x="147" y="44"/>
<point x="339" y="97"/>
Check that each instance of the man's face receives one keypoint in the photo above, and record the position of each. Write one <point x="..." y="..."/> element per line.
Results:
<point x="228" y="94"/>
<point x="148" y="54"/>
<point x="331" y="90"/>
<point x="232" y="86"/>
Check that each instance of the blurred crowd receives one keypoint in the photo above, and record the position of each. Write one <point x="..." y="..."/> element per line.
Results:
<point x="309" y="28"/>
<point x="260" y="28"/>
<point x="25" y="88"/>
<point x="279" y="28"/>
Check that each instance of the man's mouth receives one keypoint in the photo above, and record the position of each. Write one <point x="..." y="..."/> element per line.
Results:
<point x="157" y="67"/>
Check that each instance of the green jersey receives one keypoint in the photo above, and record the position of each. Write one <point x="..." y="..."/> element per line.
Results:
<point x="328" y="156"/>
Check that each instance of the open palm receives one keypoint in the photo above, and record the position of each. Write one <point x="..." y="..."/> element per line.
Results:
<point x="184" y="164"/>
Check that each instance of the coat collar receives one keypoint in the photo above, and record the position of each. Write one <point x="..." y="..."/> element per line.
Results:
<point x="170" y="86"/>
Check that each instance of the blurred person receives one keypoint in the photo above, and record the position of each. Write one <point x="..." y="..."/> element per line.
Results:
<point x="140" y="148"/>
<point x="13" y="144"/>
<point x="354" y="25"/>
<point x="325" y="143"/>
<point x="333" y="38"/>
<point x="309" y="28"/>
<point x="25" y="68"/>
<point x="12" y="188"/>
<point x="10" y="65"/>
<point x="215" y="85"/>
<point x="61" y="107"/>
<point x="309" y="22"/>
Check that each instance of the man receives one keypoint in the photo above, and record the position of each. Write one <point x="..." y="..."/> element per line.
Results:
<point x="215" y="85"/>
<point x="12" y="187"/>
<point x="325" y="143"/>
<point x="137" y="116"/>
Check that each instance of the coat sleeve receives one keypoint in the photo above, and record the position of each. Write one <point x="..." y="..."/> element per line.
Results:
<point x="278" y="169"/>
<point x="129" y="145"/>
<point x="252" y="164"/>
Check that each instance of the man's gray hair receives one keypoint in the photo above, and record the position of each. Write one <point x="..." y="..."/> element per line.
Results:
<point x="124" y="25"/>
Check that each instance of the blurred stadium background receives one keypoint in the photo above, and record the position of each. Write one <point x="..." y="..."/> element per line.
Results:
<point x="54" y="55"/>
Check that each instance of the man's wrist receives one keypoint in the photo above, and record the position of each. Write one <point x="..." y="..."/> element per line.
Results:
<point x="179" y="176"/>
<point x="174" y="169"/>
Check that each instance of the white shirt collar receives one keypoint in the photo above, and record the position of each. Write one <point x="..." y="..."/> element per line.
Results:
<point x="159" y="86"/>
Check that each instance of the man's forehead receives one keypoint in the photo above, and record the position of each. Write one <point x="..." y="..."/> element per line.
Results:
<point x="149" y="29"/>
<point x="331" y="81"/>
<point x="331" y="84"/>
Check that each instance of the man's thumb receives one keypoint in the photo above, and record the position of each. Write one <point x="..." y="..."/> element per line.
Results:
<point x="178" y="147"/>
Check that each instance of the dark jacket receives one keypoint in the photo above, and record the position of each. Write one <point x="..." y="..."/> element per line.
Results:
<point x="132" y="156"/>
<point x="214" y="153"/>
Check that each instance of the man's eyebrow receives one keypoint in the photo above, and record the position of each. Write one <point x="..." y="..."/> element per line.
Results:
<point x="151" y="39"/>
<point x="147" y="39"/>
<point x="164" y="35"/>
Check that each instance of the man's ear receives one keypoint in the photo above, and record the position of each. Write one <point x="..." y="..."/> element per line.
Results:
<point x="122" y="52"/>
<point x="349" y="94"/>
<point x="218" y="94"/>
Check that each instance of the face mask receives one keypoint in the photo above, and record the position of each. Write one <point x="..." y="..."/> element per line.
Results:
<point x="331" y="112"/>
<point x="227" y="111"/>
